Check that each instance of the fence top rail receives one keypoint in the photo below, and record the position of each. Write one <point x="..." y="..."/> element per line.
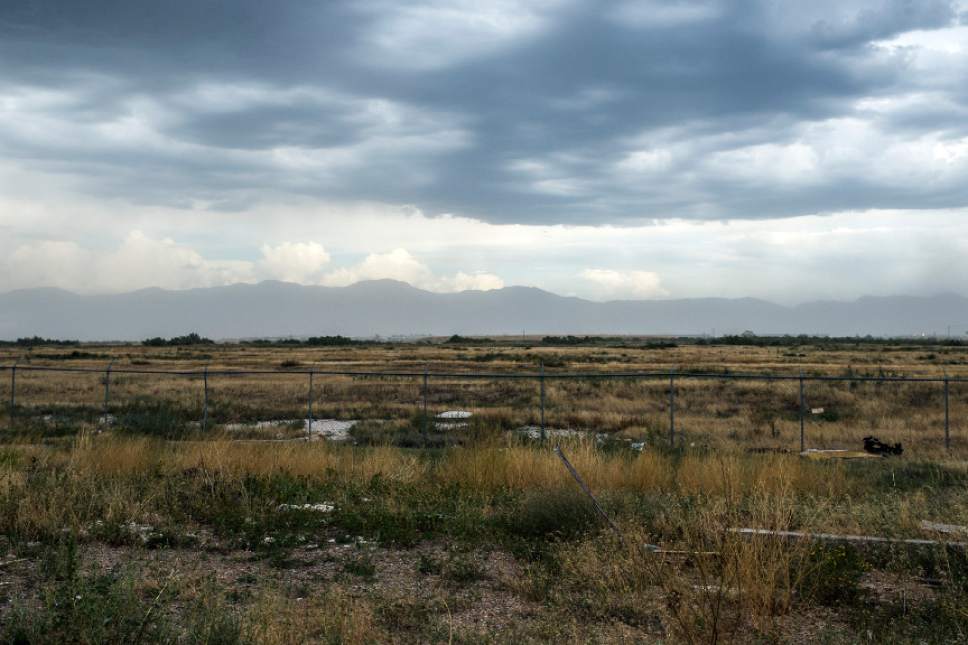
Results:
<point x="752" y="376"/>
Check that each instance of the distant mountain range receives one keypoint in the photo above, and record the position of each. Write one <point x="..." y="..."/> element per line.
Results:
<point x="388" y="308"/>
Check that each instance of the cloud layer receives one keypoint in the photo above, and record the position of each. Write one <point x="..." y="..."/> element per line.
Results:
<point x="789" y="260"/>
<point x="542" y="111"/>
<point x="594" y="148"/>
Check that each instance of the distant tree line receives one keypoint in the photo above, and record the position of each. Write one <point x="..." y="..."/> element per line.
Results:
<point x="312" y="341"/>
<point x="457" y="339"/>
<point x="177" y="341"/>
<point x="611" y="342"/>
<point x="328" y="341"/>
<point x="748" y="338"/>
<point x="36" y="341"/>
<point x="572" y="340"/>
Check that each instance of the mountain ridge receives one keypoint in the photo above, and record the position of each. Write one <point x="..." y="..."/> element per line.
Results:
<point x="392" y="307"/>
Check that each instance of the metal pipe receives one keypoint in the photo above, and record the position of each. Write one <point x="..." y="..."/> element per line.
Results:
<point x="588" y="492"/>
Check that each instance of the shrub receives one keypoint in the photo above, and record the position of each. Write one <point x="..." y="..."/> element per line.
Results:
<point x="361" y="566"/>
<point x="559" y="513"/>
<point x="831" y="575"/>
<point x="154" y="418"/>
<point x="463" y="569"/>
<point x="429" y="565"/>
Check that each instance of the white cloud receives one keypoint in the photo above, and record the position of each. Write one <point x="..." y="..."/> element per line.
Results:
<point x="138" y="262"/>
<point x="625" y="284"/>
<point x="399" y="264"/>
<point x="645" y="161"/>
<point x="141" y="262"/>
<point x="475" y="281"/>
<point x="294" y="261"/>
<point x="793" y="163"/>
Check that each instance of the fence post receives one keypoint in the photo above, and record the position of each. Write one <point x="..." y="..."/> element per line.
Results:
<point x="947" y="436"/>
<point x="672" y="409"/>
<point x="425" y="385"/>
<point x="542" y="383"/>
<point x="13" y="388"/>
<point x="107" y="389"/>
<point x="205" y="400"/>
<point x="802" y="443"/>
<point x="309" y="404"/>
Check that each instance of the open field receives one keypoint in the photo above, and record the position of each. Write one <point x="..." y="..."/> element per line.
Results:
<point x="708" y="412"/>
<point x="147" y="529"/>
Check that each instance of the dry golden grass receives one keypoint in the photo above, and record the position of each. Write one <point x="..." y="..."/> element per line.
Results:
<point x="314" y="460"/>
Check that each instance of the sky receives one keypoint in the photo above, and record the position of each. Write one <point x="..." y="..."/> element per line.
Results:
<point x="784" y="150"/>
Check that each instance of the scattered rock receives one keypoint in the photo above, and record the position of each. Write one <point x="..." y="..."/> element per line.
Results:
<point x="534" y="432"/>
<point x="324" y="507"/>
<point x="144" y="532"/>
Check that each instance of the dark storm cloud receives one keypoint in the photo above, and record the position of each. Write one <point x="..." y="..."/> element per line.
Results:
<point x="539" y="112"/>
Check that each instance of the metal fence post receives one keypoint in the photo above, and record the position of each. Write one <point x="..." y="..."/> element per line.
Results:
<point x="947" y="436"/>
<point x="672" y="409"/>
<point x="425" y="385"/>
<point x="309" y="404"/>
<point x="107" y="388"/>
<point x="13" y="388"/>
<point x="542" y="383"/>
<point x="802" y="441"/>
<point x="205" y="400"/>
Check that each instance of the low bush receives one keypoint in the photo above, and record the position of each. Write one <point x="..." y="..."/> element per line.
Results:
<point x="153" y="418"/>
<point x="830" y="574"/>
<point x="551" y="514"/>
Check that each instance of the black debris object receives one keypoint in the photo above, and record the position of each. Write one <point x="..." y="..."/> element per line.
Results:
<point x="875" y="446"/>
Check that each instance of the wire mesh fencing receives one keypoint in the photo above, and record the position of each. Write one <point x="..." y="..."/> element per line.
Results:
<point x="422" y="407"/>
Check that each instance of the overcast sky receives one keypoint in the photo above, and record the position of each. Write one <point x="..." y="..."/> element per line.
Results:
<point x="785" y="150"/>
